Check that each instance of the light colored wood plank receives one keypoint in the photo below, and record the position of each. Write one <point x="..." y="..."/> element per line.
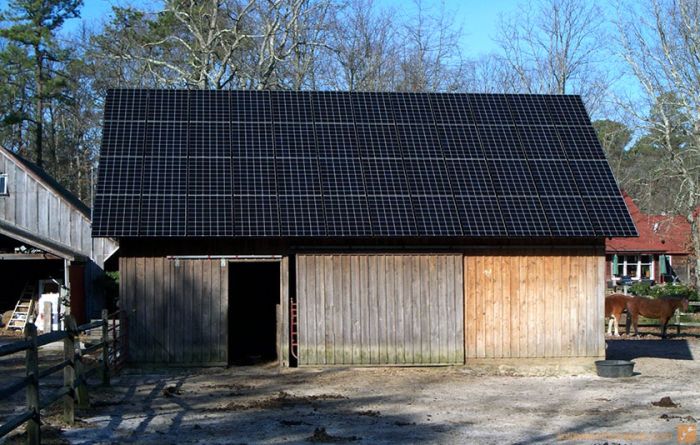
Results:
<point x="319" y="307"/>
<point x="395" y="301"/>
<point x="506" y="296"/>
<point x="356" y="310"/>
<point x="365" y="317"/>
<point x="284" y="302"/>
<point x="385" y="323"/>
<point x="376" y="311"/>
<point x="328" y="291"/>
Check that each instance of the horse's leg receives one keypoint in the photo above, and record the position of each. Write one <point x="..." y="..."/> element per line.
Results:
<point x="611" y="320"/>
<point x="616" y="324"/>
<point x="628" y="322"/>
<point x="635" y="322"/>
<point x="664" y="325"/>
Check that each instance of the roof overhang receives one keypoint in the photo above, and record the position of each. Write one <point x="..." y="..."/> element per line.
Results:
<point x="33" y="240"/>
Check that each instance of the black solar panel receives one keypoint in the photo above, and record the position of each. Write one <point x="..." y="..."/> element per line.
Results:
<point x="256" y="163"/>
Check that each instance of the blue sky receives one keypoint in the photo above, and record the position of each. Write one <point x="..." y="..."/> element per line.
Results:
<point x="477" y="18"/>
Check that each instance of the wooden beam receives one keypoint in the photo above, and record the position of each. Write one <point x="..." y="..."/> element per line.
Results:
<point x="34" y="240"/>
<point x="28" y="256"/>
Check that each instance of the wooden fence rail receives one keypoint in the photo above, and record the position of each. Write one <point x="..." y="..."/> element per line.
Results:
<point x="75" y="370"/>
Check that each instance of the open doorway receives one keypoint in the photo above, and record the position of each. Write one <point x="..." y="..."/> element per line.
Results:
<point x="254" y="292"/>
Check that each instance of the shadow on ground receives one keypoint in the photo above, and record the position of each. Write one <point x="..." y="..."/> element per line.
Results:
<point x="630" y="349"/>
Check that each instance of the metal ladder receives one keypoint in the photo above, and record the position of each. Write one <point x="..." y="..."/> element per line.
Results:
<point x="293" y="329"/>
<point x="24" y="308"/>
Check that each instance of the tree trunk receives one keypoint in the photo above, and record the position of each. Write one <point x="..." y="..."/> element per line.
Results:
<point x="695" y="236"/>
<point x="39" y="105"/>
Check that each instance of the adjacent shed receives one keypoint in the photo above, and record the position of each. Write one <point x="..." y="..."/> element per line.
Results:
<point x="45" y="235"/>
<point x="331" y="228"/>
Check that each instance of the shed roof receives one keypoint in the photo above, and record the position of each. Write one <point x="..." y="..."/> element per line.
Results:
<point x="336" y="164"/>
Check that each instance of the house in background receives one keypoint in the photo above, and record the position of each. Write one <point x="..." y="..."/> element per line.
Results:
<point x="331" y="228"/>
<point x="660" y="254"/>
<point x="46" y="242"/>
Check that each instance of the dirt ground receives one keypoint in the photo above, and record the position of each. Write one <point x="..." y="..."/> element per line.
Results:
<point x="461" y="405"/>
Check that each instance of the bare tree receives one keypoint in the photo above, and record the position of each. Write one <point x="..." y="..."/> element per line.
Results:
<point x="216" y="43"/>
<point x="661" y="45"/>
<point x="365" y="53"/>
<point x="554" y="47"/>
<point x="430" y="57"/>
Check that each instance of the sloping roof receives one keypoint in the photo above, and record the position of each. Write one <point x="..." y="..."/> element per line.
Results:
<point x="332" y="164"/>
<point x="50" y="182"/>
<point x="665" y="234"/>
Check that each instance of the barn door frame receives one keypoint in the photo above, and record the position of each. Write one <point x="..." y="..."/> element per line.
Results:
<point x="282" y="341"/>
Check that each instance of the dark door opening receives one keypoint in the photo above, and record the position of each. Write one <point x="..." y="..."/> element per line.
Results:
<point x="254" y="293"/>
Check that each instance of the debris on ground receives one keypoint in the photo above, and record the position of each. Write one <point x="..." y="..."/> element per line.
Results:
<point x="689" y="419"/>
<point x="665" y="402"/>
<point x="171" y="391"/>
<point x="321" y="436"/>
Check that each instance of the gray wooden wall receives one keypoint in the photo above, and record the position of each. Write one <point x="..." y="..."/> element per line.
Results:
<point x="34" y="207"/>
<point x="177" y="310"/>
<point x="380" y="309"/>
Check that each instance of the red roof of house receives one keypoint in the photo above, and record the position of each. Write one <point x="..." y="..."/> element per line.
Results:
<point x="668" y="234"/>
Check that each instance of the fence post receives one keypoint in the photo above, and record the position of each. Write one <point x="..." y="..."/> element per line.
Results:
<point x="80" y="388"/>
<point x="33" y="426"/>
<point x="69" y="370"/>
<point x="105" y="347"/>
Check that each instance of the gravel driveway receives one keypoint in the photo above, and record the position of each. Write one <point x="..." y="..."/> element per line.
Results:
<point x="268" y="405"/>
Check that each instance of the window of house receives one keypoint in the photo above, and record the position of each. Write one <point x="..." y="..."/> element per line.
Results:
<point x="635" y="266"/>
<point x="3" y="183"/>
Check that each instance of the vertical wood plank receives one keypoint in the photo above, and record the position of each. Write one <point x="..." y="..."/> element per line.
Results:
<point x="302" y="318"/>
<point x="284" y="302"/>
<point x="329" y="308"/>
<point x="225" y="303"/>
<point x="338" y="314"/>
<point x="375" y="310"/>
<point x="210" y="272"/>
<point x="319" y="306"/>
<point x="347" y="309"/>
<point x="449" y="317"/>
<point x="356" y="308"/>
<point x="515" y="307"/>
<point x="365" y="318"/>
<point x="506" y="296"/>
<point x="383" y="324"/>
<point x="395" y="301"/>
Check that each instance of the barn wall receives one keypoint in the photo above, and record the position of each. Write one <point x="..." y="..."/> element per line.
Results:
<point x="177" y="310"/>
<point x="36" y="209"/>
<point x="534" y="303"/>
<point x="380" y="309"/>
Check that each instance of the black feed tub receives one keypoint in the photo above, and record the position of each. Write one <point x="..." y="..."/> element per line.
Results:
<point x="614" y="368"/>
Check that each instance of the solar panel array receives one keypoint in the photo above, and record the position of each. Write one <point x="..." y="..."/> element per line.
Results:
<point x="332" y="164"/>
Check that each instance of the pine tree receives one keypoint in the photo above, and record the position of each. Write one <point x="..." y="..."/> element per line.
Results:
<point x="31" y="27"/>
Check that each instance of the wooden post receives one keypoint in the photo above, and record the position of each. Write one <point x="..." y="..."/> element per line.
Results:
<point x="48" y="316"/>
<point x="80" y="389"/>
<point x="105" y="347"/>
<point x="69" y="371"/>
<point x="33" y="425"/>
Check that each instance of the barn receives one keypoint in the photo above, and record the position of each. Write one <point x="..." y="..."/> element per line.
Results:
<point x="336" y="228"/>
<point x="46" y="245"/>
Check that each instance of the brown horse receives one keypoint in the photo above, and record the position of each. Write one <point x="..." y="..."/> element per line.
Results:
<point x="663" y="309"/>
<point x="614" y="305"/>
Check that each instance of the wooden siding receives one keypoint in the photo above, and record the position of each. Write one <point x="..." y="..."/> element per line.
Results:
<point x="177" y="309"/>
<point x="35" y="211"/>
<point x="534" y="303"/>
<point x="380" y="309"/>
